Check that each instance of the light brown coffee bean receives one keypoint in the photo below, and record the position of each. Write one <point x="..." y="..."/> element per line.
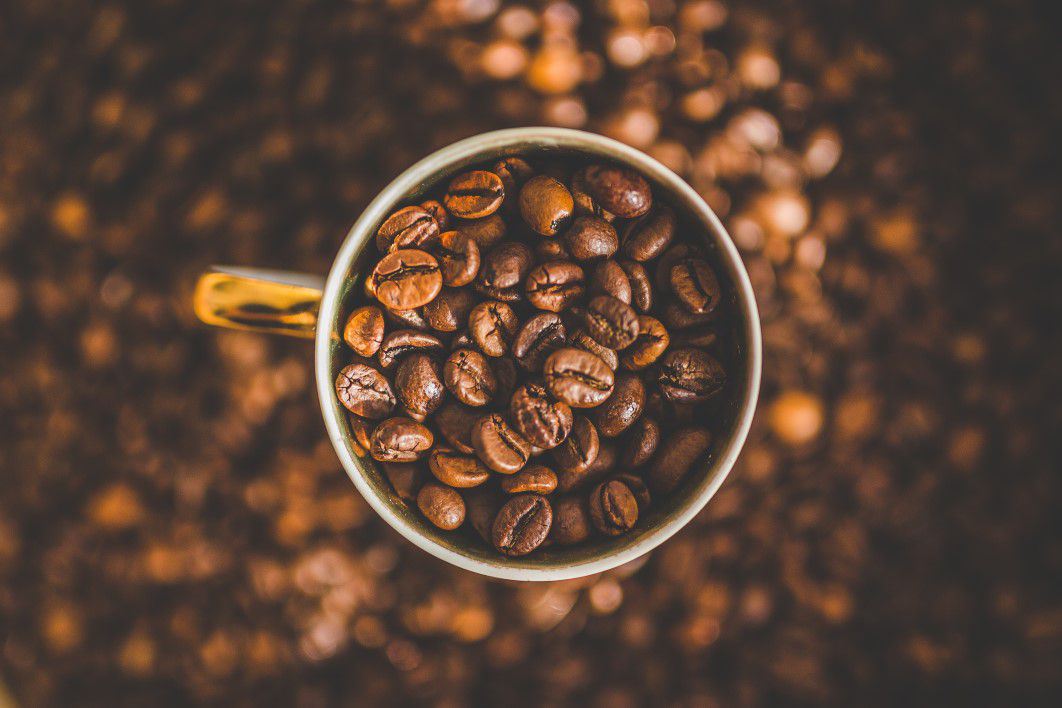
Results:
<point x="546" y="205"/>
<point x="364" y="330"/>
<point x="499" y="446"/>
<point x="400" y="440"/>
<point x="493" y="326"/>
<point x="441" y="505"/>
<point x="653" y="339"/>
<point x="475" y="194"/>
<point x="522" y="524"/>
<point x="537" y="479"/>
<point x="409" y="227"/>
<point x="578" y="377"/>
<point x="676" y="458"/>
<point x="456" y="470"/>
<point x="406" y="279"/>
<point x="365" y="392"/>
<point x="469" y="377"/>
<point x="458" y="257"/>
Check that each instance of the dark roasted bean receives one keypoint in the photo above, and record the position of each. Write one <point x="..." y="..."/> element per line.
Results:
<point x="449" y="311"/>
<point x="638" y="488"/>
<point x="553" y="286"/>
<point x="522" y="524"/>
<point x="537" y="339"/>
<point x="584" y="202"/>
<point x="676" y="457"/>
<point x="577" y="377"/>
<point x="499" y="446"/>
<point x="418" y="381"/>
<point x="409" y="227"/>
<point x="619" y="190"/>
<point x="438" y="212"/>
<point x="641" y="285"/>
<point x="364" y="391"/>
<point x="642" y="440"/>
<point x="505" y="266"/>
<point x="406" y="478"/>
<point x="608" y="278"/>
<point x="487" y="233"/>
<point x="403" y="342"/>
<point x="400" y="440"/>
<point x="622" y="408"/>
<point x="582" y="340"/>
<point x="361" y="435"/>
<point x="690" y="375"/>
<point x="611" y="322"/>
<point x="695" y="284"/>
<point x="591" y="238"/>
<point x="613" y="508"/>
<point x="571" y="520"/>
<point x="441" y="505"/>
<point x="646" y="238"/>
<point x="544" y="422"/>
<point x="579" y="449"/>
<point x="470" y="378"/>
<point x="455" y="422"/>
<point x="493" y="327"/>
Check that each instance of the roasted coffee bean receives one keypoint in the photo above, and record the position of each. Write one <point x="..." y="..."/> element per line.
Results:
<point x="513" y="171"/>
<point x="441" y="505"/>
<point x="603" y="465"/>
<point x="493" y="326"/>
<point x="474" y="194"/>
<point x="406" y="278"/>
<point x="690" y="375"/>
<point x="455" y="422"/>
<point x="642" y="441"/>
<point x="409" y="227"/>
<point x="591" y="238"/>
<point x="695" y="284"/>
<point x="584" y="203"/>
<point x="553" y="286"/>
<point x="400" y="440"/>
<point x="571" y="520"/>
<point x="537" y="479"/>
<point x="418" y="380"/>
<point x="638" y="488"/>
<point x="641" y="285"/>
<point x="487" y="233"/>
<point x="608" y="278"/>
<point x="469" y="377"/>
<point x="619" y="190"/>
<point x="669" y="258"/>
<point x="646" y="238"/>
<point x="700" y="337"/>
<point x="546" y="205"/>
<point x="499" y="446"/>
<point x="537" y="339"/>
<point x="407" y="319"/>
<point x="406" y="478"/>
<point x="577" y="377"/>
<point x="550" y="249"/>
<point x="611" y="322"/>
<point x="403" y="342"/>
<point x="449" y="311"/>
<point x="506" y="374"/>
<point x="622" y="408"/>
<point x="457" y="470"/>
<point x="678" y="317"/>
<point x="438" y="212"/>
<point x="676" y="457"/>
<point x="506" y="265"/>
<point x="613" y="508"/>
<point x="364" y="330"/>
<point x="365" y="391"/>
<point x="579" y="449"/>
<point x="522" y="524"/>
<point x="458" y="257"/>
<point x="545" y="423"/>
<point x="511" y="295"/>
<point x="360" y="435"/>
<point x="653" y="339"/>
<point x="582" y="340"/>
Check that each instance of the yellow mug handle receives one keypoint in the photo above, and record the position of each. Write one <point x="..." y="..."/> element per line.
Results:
<point x="273" y="301"/>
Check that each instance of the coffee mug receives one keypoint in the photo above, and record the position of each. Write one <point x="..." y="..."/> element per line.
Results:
<point x="305" y="306"/>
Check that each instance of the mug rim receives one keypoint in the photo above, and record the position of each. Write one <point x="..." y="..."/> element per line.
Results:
<point x="557" y="138"/>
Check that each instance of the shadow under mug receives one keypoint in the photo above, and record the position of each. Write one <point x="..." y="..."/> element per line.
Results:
<point x="305" y="306"/>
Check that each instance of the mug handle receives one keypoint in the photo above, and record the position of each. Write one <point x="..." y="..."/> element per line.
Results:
<point x="272" y="301"/>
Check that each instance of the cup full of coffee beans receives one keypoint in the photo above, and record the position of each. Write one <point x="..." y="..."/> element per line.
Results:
<point x="543" y="357"/>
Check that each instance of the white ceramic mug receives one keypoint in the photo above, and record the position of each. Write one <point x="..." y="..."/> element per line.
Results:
<point x="304" y="305"/>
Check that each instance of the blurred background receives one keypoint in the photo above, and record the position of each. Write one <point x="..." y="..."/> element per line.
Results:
<point x="175" y="527"/>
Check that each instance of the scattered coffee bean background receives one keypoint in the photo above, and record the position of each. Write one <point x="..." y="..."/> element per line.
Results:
<point x="175" y="527"/>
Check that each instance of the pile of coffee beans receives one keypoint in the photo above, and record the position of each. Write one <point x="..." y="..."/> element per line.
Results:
<point x="524" y="338"/>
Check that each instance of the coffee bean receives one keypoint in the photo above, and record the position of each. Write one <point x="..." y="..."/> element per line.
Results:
<point x="438" y="212"/>
<point x="653" y="339"/>
<point x="441" y="505"/>
<point x="506" y="374"/>
<point x="609" y="278"/>
<point x="486" y="233"/>
<point x="577" y="377"/>
<point x="364" y="330"/>
<point x="418" y="380"/>
<point x="579" y="449"/>
<point x="469" y="377"/>
<point x="409" y="227"/>
<point x="546" y="205"/>
<point x="537" y="479"/>
<point x="553" y="286"/>
<point x="584" y="202"/>
<point x="449" y="311"/>
<point x="360" y="435"/>
<point x="699" y="337"/>
<point x="619" y="190"/>
<point x="364" y="391"/>
<point x="571" y="520"/>
<point x="506" y="265"/>
<point x="549" y="249"/>
<point x="456" y="470"/>
<point x="582" y="340"/>
<point x="690" y="375"/>
<point x="611" y="322"/>
<point x="474" y="194"/>
<point x="499" y="446"/>
<point x="458" y="257"/>
<point x="400" y="440"/>
<point x="678" y="317"/>
<point x="545" y="423"/>
<point x="638" y="488"/>
<point x="406" y="278"/>
<point x="613" y="508"/>
<point x="603" y="465"/>
<point x="669" y="258"/>
<point x="407" y="319"/>
<point x="513" y="171"/>
<point x="646" y="238"/>
<point x="676" y="457"/>
<point x="591" y="238"/>
<point x="522" y="524"/>
<point x="510" y="295"/>
<point x="695" y="284"/>
<point x="406" y="478"/>
<point x="622" y="408"/>
<point x="540" y="336"/>
<point x="455" y="422"/>
<point x="403" y="342"/>
<point x="493" y="326"/>
<point x="641" y="285"/>
<point x="642" y="441"/>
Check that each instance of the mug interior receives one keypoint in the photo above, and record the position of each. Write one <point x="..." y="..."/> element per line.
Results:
<point x="731" y="410"/>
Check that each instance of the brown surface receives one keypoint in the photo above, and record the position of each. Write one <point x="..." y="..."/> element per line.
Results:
<point x="174" y="526"/>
